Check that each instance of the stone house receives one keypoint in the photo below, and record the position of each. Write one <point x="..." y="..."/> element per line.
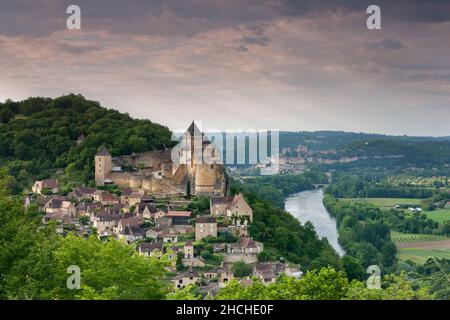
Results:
<point x="131" y="198"/>
<point x="146" y="211"/>
<point x="246" y="250"/>
<point x="131" y="233"/>
<point x="225" y="276"/>
<point x="185" y="279"/>
<point x="108" y="199"/>
<point x="151" y="249"/>
<point x="153" y="233"/>
<point x="231" y="207"/>
<point x="188" y="250"/>
<point x="128" y="221"/>
<point x="205" y="226"/>
<point x="82" y="193"/>
<point x="105" y="221"/>
<point x="167" y="237"/>
<point x="63" y="206"/>
<point x="179" y="217"/>
<point x="47" y="184"/>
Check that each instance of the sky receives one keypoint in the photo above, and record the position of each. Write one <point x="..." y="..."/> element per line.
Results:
<point x="249" y="64"/>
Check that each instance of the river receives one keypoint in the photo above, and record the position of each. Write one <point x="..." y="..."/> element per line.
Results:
<point x="308" y="206"/>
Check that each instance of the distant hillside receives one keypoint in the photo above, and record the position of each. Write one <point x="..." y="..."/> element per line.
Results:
<point x="38" y="134"/>
<point x="328" y="140"/>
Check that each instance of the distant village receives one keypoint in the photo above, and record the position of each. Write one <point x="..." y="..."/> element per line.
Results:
<point x="149" y="208"/>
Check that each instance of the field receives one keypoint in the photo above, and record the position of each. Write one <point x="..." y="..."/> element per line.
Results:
<point x="385" y="202"/>
<point x="439" y="215"/>
<point x="420" y="256"/>
<point x="423" y="182"/>
<point x="400" y="238"/>
<point x="419" y="247"/>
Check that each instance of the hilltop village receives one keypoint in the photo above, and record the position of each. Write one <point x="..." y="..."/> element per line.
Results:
<point x="171" y="205"/>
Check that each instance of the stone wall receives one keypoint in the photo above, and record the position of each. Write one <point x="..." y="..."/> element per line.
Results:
<point x="235" y="257"/>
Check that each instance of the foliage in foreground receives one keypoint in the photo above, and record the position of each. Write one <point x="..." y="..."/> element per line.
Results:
<point x="34" y="262"/>
<point x="326" y="284"/>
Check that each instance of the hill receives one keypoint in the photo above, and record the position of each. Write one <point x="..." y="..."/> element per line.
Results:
<point x="38" y="135"/>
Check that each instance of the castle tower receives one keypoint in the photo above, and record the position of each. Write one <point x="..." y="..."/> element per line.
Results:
<point x="102" y="165"/>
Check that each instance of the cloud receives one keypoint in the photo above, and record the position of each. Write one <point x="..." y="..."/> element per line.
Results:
<point x="261" y="41"/>
<point x="292" y="64"/>
<point x="388" y="43"/>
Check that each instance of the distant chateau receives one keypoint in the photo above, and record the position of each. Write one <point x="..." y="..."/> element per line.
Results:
<point x="194" y="161"/>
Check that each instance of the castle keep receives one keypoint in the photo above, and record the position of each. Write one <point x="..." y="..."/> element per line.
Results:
<point x="195" y="161"/>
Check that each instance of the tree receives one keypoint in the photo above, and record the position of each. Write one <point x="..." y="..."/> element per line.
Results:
<point x="188" y="190"/>
<point x="353" y="268"/>
<point x="241" y="269"/>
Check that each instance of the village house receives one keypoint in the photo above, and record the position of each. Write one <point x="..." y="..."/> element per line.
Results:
<point x="269" y="271"/>
<point x="151" y="249"/>
<point x="185" y="279"/>
<point x="179" y="217"/>
<point x="127" y="221"/>
<point x="163" y="222"/>
<point x="210" y="274"/>
<point x="176" y="249"/>
<point x="146" y="211"/>
<point x="105" y="221"/>
<point x="231" y="207"/>
<point x="246" y="250"/>
<point x="189" y="257"/>
<point x="61" y="217"/>
<point x="205" y="226"/>
<point x="188" y="250"/>
<point x="60" y="206"/>
<point x="167" y="237"/>
<point x="47" y="184"/>
<point x="81" y="209"/>
<point x="131" y="233"/>
<point x="108" y="199"/>
<point x="131" y="198"/>
<point x="97" y="196"/>
<point x="153" y="233"/>
<point x="225" y="276"/>
<point x="82" y="193"/>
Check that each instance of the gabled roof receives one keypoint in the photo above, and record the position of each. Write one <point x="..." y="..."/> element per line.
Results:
<point x="81" y="191"/>
<point x="133" y="221"/>
<point x="221" y="200"/>
<point x="151" y="207"/>
<point x="205" y="219"/>
<point x="54" y="204"/>
<point x="248" y="243"/>
<point x="130" y="230"/>
<point x="49" y="183"/>
<point x="178" y="213"/>
<point x="149" y="247"/>
<point x="109" y="197"/>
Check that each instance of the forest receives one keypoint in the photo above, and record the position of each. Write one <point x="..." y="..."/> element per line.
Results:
<point x="40" y="135"/>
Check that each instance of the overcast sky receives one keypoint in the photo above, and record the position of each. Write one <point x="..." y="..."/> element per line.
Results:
<point x="282" y="64"/>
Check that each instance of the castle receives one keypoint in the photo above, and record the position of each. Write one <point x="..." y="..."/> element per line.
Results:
<point x="194" y="161"/>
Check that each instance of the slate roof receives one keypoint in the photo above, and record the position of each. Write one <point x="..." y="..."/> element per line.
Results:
<point x="102" y="151"/>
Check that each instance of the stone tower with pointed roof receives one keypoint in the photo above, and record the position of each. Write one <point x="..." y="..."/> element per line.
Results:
<point x="103" y="164"/>
<point x="205" y="174"/>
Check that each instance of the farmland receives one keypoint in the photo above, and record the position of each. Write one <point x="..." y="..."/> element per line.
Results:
<point x="402" y="238"/>
<point x="439" y="215"/>
<point x="385" y="203"/>
<point x="419" y="247"/>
